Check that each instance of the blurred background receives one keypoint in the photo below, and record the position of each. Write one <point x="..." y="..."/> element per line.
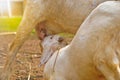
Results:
<point x="11" y="12"/>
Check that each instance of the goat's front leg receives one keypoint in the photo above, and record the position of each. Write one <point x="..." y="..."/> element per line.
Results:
<point x="27" y="25"/>
<point x="108" y="64"/>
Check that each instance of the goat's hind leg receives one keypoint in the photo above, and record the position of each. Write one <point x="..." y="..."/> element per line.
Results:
<point x="21" y="36"/>
<point x="27" y="25"/>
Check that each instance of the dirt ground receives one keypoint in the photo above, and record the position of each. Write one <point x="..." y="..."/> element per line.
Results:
<point x="27" y="62"/>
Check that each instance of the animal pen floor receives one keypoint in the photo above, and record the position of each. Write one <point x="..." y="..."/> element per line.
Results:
<point x="27" y="61"/>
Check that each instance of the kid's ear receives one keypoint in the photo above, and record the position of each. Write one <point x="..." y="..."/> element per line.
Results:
<point x="60" y="39"/>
